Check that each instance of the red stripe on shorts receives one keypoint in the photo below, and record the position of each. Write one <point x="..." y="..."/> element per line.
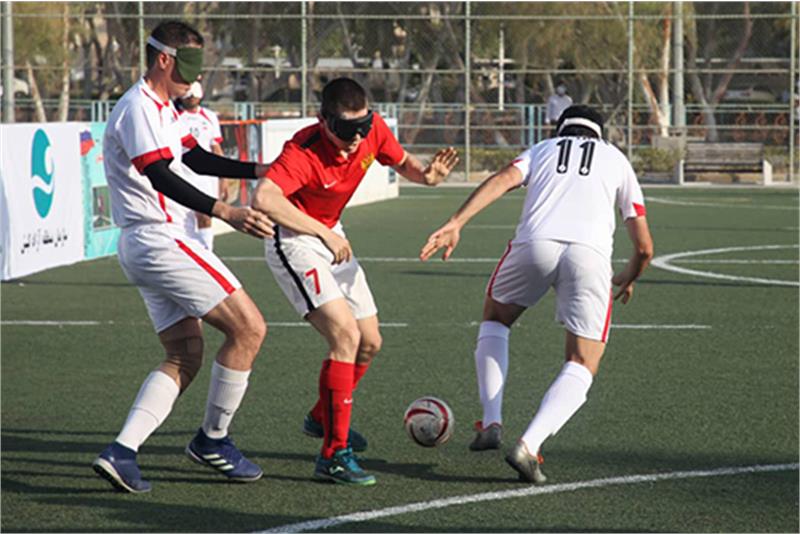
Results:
<point x="608" y="317"/>
<point x="215" y="274"/>
<point x="497" y="269"/>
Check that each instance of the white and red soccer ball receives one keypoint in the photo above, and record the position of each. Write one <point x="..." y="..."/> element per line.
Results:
<point x="429" y="421"/>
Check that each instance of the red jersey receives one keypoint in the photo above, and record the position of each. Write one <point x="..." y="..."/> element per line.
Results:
<point x="318" y="180"/>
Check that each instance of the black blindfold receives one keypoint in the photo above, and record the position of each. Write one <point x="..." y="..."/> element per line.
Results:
<point x="346" y="129"/>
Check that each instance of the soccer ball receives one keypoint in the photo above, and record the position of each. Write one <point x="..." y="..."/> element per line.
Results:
<point x="429" y="421"/>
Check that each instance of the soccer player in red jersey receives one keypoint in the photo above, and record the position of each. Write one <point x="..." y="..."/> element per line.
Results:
<point x="318" y="170"/>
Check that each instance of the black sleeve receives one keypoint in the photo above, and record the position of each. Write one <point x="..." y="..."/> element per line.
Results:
<point x="170" y="184"/>
<point x="204" y="162"/>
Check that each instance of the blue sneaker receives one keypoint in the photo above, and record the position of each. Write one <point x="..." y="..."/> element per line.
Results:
<point x="355" y="440"/>
<point x="342" y="468"/>
<point x="117" y="464"/>
<point x="223" y="456"/>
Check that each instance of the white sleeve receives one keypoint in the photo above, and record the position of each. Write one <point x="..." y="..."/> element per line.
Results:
<point x="630" y="199"/>
<point x="524" y="163"/>
<point x="141" y="137"/>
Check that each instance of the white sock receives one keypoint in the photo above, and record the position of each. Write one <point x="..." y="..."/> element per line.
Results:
<point x="151" y="407"/>
<point x="566" y="394"/>
<point x="491" y="364"/>
<point x="206" y="236"/>
<point x="225" y="394"/>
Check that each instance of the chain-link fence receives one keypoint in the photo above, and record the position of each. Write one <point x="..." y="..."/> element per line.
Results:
<point x="476" y="75"/>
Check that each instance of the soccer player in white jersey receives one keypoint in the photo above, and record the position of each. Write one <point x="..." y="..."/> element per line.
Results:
<point x="203" y="125"/>
<point x="181" y="282"/>
<point x="564" y="240"/>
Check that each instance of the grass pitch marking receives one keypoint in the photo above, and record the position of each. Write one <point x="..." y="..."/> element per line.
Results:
<point x="665" y="263"/>
<point x="673" y="202"/>
<point x="359" y="517"/>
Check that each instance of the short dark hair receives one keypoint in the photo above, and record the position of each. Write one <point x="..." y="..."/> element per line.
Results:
<point x="343" y="94"/>
<point x="582" y="112"/>
<point x="172" y="33"/>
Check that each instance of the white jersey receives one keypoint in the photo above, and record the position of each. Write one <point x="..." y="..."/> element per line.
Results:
<point x="142" y="129"/>
<point x="573" y="184"/>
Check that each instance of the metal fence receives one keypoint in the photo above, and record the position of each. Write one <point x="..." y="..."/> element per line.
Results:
<point x="476" y="75"/>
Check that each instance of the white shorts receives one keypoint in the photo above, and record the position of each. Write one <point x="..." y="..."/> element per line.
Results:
<point x="580" y="275"/>
<point x="302" y="267"/>
<point x="175" y="274"/>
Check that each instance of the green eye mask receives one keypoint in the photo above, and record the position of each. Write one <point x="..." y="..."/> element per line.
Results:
<point x="188" y="59"/>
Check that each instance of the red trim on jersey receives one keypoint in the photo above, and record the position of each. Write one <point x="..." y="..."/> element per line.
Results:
<point x="608" y="317"/>
<point x="206" y="117"/>
<point x="141" y="162"/>
<point x="160" y="105"/>
<point x="162" y="201"/>
<point x="515" y="161"/>
<point x="497" y="269"/>
<point x="188" y="141"/>
<point x="215" y="274"/>
<point x="641" y="211"/>
<point x="218" y="140"/>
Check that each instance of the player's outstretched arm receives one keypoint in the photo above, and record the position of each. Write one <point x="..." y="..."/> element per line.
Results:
<point x="434" y="173"/>
<point x="269" y="198"/>
<point x="491" y="189"/>
<point x="204" y="162"/>
<point x="176" y="188"/>
<point x="639" y="234"/>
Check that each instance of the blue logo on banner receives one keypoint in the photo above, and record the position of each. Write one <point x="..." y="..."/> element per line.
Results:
<point x="42" y="172"/>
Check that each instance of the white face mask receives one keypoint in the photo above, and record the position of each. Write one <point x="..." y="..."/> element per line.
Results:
<point x="561" y="90"/>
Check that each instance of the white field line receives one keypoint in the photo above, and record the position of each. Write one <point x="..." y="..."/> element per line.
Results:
<point x="673" y="202"/>
<point x="375" y="259"/>
<point x="662" y="326"/>
<point x="55" y="323"/>
<point x="368" y="259"/>
<point x="360" y="517"/>
<point x="665" y="263"/>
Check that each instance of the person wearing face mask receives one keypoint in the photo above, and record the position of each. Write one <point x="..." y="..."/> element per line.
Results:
<point x="203" y="125"/>
<point x="318" y="170"/>
<point x="557" y="103"/>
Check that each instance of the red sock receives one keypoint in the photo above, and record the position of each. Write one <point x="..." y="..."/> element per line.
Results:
<point x="317" y="412"/>
<point x="361" y="369"/>
<point x="336" y="394"/>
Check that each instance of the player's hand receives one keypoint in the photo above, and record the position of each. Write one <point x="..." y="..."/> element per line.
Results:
<point x="339" y="247"/>
<point x="443" y="162"/>
<point x="445" y="237"/>
<point x="625" y="284"/>
<point x="250" y="221"/>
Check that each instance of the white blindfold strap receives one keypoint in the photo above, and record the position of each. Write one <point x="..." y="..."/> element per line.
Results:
<point x="580" y="121"/>
<point x="158" y="45"/>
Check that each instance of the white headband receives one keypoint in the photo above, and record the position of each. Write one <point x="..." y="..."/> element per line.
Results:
<point x="580" y="121"/>
<point x="158" y="45"/>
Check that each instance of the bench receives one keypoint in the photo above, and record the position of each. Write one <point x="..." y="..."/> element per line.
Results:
<point x="724" y="157"/>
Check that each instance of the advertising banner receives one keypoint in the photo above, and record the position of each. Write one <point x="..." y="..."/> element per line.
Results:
<point x="100" y="233"/>
<point x="42" y="208"/>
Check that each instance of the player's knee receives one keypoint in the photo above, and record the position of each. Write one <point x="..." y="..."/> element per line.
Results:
<point x="370" y="346"/>
<point x="346" y="341"/>
<point x="249" y="333"/>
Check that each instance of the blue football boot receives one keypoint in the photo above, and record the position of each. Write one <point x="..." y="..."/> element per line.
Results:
<point x="117" y="464"/>
<point x="342" y="468"/>
<point x="222" y="456"/>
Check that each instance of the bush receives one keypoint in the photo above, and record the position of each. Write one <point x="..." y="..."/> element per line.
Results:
<point x="492" y="159"/>
<point x="655" y="160"/>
